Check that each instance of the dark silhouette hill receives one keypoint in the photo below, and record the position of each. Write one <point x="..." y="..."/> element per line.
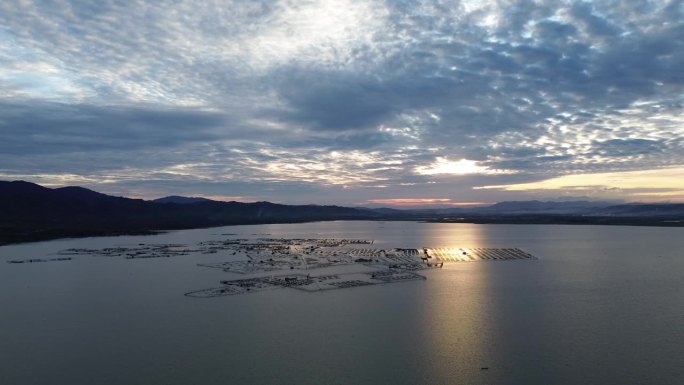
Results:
<point x="31" y="212"/>
<point x="181" y="200"/>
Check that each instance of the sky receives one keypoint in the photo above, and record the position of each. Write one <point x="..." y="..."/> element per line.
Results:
<point x="385" y="103"/>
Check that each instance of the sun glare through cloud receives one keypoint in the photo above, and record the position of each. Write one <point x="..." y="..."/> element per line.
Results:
<point x="458" y="167"/>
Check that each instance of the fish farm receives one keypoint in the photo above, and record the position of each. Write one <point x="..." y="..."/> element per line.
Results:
<point x="304" y="264"/>
<point x="277" y="257"/>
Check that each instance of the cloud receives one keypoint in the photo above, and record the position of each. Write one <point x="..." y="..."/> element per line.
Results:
<point x="444" y="166"/>
<point x="336" y="101"/>
<point x="628" y="147"/>
<point x="305" y="95"/>
<point x="664" y="183"/>
<point x="46" y="127"/>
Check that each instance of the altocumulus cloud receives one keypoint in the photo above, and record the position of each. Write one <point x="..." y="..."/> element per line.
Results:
<point x="343" y="101"/>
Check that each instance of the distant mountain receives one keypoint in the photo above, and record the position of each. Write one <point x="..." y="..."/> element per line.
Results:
<point x="539" y="207"/>
<point x="508" y="208"/>
<point x="22" y="200"/>
<point x="181" y="200"/>
<point x="32" y="212"/>
<point x="644" y="209"/>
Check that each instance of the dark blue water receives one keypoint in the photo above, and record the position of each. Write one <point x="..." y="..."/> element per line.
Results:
<point x="602" y="305"/>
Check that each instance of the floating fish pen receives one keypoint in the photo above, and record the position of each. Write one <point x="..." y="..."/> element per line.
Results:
<point x="214" y="292"/>
<point x="140" y="251"/>
<point x="451" y="254"/>
<point x="306" y="283"/>
<point x="303" y="259"/>
<point x="39" y="260"/>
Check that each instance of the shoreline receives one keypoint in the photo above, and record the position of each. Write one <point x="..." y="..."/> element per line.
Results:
<point x="22" y="237"/>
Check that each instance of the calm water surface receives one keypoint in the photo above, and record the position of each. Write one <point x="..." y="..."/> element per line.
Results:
<point x="602" y="305"/>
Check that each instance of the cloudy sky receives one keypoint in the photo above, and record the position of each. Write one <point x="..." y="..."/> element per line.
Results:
<point x="346" y="102"/>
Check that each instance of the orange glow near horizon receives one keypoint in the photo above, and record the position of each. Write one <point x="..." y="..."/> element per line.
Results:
<point x="219" y="198"/>
<point x="424" y="202"/>
<point x="643" y="185"/>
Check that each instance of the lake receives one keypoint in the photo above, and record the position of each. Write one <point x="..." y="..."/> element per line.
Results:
<point x="601" y="305"/>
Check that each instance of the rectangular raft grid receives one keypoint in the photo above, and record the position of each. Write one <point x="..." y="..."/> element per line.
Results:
<point x="453" y="254"/>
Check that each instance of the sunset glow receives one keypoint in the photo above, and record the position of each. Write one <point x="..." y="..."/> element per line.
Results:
<point x="645" y="185"/>
<point x="459" y="167"/>
<point x="424" y="202"/>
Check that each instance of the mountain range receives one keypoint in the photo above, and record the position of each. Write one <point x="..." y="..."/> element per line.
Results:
<point x="30" y="212"/>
